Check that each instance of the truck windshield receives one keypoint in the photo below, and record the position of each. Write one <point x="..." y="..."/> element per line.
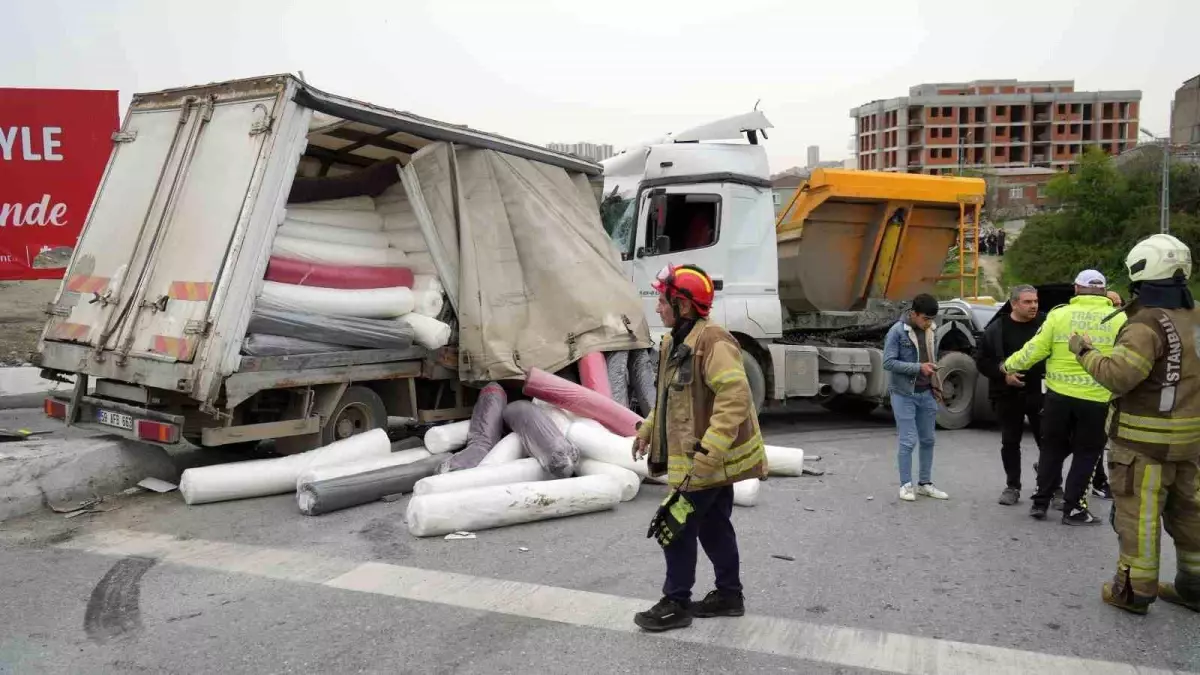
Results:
<point x="619" y="215"/>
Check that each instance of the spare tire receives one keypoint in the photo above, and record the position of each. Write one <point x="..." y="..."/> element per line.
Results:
<point x="956" y="375"/>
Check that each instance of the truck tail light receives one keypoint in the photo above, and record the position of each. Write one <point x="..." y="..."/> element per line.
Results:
<point x="156" y="431"/>
<point x="55" y="408"/>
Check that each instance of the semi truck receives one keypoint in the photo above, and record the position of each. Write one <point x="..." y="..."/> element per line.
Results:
<point x="151" y="320"/>
<point x="810" y="294"/>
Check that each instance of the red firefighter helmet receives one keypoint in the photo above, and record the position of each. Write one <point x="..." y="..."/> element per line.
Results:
<point x="686" y="281"/>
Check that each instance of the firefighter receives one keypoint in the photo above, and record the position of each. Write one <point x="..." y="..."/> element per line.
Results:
<point x="1153" y="427"/>
<point x="703" y="433"/>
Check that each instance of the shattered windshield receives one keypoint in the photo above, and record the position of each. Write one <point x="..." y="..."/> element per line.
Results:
<point x="618" y="215"/>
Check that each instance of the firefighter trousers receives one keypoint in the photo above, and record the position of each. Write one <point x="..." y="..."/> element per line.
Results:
<point x="1147" y="492"/>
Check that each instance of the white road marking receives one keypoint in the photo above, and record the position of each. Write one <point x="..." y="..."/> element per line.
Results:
<point x="835" y="645"/>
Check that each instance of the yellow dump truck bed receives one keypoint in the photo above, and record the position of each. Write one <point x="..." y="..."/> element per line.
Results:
<point x="850" y="235"/>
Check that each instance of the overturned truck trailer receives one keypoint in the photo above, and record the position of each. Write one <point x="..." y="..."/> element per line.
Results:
<point x="267" y="260"/>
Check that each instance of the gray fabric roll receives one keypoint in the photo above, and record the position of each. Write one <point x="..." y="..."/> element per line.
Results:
<point x="335" y="494"/>
<point x="487" y="427"/>
<point x="643" y="371"/>
<point x="543" y="441"/>
<point x="273" y="319"/>
<point x="618" y="376"/>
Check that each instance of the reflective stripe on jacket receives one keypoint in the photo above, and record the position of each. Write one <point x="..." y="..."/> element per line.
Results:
<point x="704" y="398"/>
<point x="1085" y="315"/>
<point x="1154" y="375"/>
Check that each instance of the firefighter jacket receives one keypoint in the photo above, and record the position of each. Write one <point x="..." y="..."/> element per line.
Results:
<point x="1154" y="375"/>
<point x="1085" y="315"/>
<point x="704" y="400"/>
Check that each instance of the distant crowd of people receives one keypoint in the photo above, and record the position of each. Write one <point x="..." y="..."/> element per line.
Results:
<point x="991" y="241"/>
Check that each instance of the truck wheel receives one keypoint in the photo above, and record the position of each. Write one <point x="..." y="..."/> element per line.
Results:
<point x="360" y="409"/>
<point x="957" y="375"/>
<point x="758" y="382"/>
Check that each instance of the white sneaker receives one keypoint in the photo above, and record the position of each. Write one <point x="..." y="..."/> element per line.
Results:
<point x="931" y="491"/>
<point x="907" y="494"/>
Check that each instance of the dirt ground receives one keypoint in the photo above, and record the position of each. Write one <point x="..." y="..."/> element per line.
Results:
<point x="22" y="317"/>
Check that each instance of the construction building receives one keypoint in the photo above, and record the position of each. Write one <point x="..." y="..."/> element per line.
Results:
<point x="944" y="128"/>
<point x="596" y="152"/>
<point x="1185" y="113"/>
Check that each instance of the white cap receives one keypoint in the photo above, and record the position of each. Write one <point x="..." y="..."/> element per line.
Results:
<point x="1091" y="279"/>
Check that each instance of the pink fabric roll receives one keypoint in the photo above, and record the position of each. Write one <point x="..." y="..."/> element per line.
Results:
<point x="301" y="273"/>
<point x="593" y="374"/>
<point x="581" y="401"/>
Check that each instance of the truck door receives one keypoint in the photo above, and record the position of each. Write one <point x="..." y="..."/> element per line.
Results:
<point x="158" y="237"/>
<point x="679" y="225"/>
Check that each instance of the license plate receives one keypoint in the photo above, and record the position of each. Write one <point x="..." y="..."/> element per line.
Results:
<point x="114" y="419"/>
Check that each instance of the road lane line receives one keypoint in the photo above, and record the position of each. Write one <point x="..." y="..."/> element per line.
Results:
<point x="835" y="645"/>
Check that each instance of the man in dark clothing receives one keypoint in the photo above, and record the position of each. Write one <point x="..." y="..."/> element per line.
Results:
<point x="1000" y="235"/>
<point x="1015" y="396"/>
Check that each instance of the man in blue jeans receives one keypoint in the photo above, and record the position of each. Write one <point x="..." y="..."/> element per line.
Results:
<point x="909" y="354"/>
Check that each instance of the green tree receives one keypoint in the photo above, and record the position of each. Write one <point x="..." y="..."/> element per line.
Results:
<point x="1097" y="214"/>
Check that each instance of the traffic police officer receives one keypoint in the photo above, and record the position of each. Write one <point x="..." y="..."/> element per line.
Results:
<point x="1153" y="427"/>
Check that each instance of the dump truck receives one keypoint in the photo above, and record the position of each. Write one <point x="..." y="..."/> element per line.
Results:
<point x="810" y="294"/>
<point x="168" y="276"/>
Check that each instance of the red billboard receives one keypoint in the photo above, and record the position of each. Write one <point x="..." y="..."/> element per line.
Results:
<point x="54" y="144"/>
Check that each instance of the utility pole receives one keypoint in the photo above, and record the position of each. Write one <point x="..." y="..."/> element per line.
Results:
<point x="1164" y="200"/>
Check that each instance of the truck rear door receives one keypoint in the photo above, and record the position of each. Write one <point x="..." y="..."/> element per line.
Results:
<point x="156" y="243"/>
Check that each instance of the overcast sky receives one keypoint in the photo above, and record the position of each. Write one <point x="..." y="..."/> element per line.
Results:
<point x="614" y="71"/>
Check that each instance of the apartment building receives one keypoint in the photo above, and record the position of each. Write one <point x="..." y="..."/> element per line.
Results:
<point x="942" y="128"/>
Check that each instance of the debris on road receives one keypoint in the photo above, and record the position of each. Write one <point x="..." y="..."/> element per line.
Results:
<point x="460" y="535"/>
<point x="783" y="557"/>
<point x="157" y="485"/>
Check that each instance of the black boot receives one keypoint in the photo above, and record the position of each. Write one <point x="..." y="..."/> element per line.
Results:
<point x="1078" y="516"/>
<point x="666" y="615"/>
<point x="717" y="603"/>
<point x="1038" y="511"/>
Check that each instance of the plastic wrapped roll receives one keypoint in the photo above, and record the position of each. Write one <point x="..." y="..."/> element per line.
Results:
<point x="581" y="401"/>
<point x="486" y="428"/>
<point x="327" y="253"/>
<point x="488" y="507"/>
<point x="428" y="282"/>
<point x="543" y="441"/>
<point x="428" y="332"/>
<point x="448" y="437"/>
<point x="263" y="477"/>
<point x="409" y="241"/>
<point x="509" y="449"/>
<point x="360" y="203"/>
<point x="343" y="492"/>
<point x="745" y="492"/>
<point x="561" y="418"/>
<point x="643" y="373"/>
<point x="367" y="221"/>
<point x="596" y="442"/>
<point x="421" y="263"/>
<point x="593" y="374"/>
<point x="301" y="229"/>
<point x="628" y="480"/>
<point x="301" y="273"/>
<point x="366" y="303"/>
<point x="508" y="473"/>
<point x="783" y="461"/>
<point x="257" y="344"/>
<point x="316" y="474"/>
<point x="618" y="376"/>
<point x="279" y="319"/>
<point x="428" y="303"/>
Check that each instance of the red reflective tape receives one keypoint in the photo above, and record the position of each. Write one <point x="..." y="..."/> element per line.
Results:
<point x="190" y="290"/>
<point x="70" y="331"/>
<point x="82" y="283"/>
<point x="180" y="348"/>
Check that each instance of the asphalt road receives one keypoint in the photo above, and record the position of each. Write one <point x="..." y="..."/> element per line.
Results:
<point x="874" y="585"/>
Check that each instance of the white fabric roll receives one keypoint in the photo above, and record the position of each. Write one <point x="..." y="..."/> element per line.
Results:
<point x="427" y="283"/>
<point x="428" y="303"/>
<point x="745" y="492"/>
<point x="596" y="442"/>
<point x="361" y="203"/>
<point x="420" y="263"/>
<point x="397" y="218"/>
<point x="520" y="471"/>
<point x="509" y="449"/>
<point x="358" y="220"/>
<point x="448" y="437"/>
<point x="783" y="461"/>
<point x="263" y="477"/>
<point x="428" y="332"/>
<point x="409" y="241"/>
<point x="628" y="480"/>
<point x="365" y="303"/>
<point x="496" y="506"/>
<point x="336" y="254"/>
<point x="319" y="473"/>
<point x="302" y="229"/>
